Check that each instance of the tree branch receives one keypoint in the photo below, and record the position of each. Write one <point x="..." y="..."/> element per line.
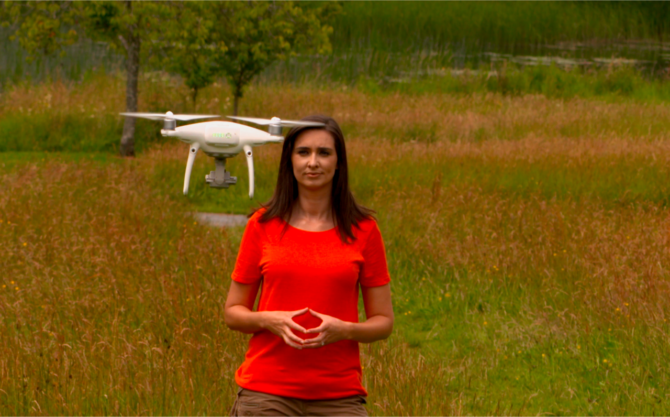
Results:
<point x="124" y="43"/>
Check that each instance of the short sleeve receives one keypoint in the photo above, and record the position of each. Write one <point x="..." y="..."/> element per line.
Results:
<point x="374" y="272"/>
<point x="247" y="268"/>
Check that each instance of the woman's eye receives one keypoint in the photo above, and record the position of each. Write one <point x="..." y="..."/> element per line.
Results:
<point x="325" y="153"/>
<point x="302" y="152"/>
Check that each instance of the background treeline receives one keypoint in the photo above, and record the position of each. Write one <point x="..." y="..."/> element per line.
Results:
<point x="409" y="35"/>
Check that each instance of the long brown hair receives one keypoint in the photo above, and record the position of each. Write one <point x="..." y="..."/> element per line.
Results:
<point x="345" y="211"/>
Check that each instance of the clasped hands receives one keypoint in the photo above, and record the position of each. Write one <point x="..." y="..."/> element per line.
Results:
<point x="330" y="330"/>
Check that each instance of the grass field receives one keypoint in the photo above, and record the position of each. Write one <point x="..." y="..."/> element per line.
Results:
<point x="527" y="238"/>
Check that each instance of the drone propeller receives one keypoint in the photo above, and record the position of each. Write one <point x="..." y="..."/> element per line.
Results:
<point x="170" y="116"/>
<point x="275" y="121"/>
<point x="169" y="119"/>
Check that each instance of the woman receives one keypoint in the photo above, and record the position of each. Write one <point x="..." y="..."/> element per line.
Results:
<point x="308" y="250"/>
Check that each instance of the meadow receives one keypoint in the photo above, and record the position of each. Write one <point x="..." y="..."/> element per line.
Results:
<point x="526" y="234"/>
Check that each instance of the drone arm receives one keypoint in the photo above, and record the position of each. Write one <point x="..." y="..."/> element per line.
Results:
<point x="189" y="165"/>
<point x="250" y="164"/>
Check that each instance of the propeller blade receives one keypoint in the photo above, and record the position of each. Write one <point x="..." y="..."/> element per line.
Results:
<point x="291" y="123"/>
<point x="150" y="116"/>
<point x="263" y="122"/>
<point x="163" y="116"/>
<point x="266" y="122"/>
<point x="186" y="117"/>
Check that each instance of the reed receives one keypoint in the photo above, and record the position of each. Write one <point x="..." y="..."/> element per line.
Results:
<point x="399" y="26"/>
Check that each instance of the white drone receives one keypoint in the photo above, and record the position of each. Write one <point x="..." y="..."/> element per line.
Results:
<point x="221" y="140"/>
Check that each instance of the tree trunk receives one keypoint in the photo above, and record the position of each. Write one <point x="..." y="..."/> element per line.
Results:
<point x="195" y="97"/>
<point x="237" y="94"/>
<point x="132" y="44"/>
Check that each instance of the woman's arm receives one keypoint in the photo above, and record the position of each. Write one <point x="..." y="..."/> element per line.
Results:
<point x="378" y="326"/>
<point x="239" y="315"/>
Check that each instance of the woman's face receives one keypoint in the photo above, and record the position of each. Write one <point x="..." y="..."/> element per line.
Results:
<point x="314" y="159"/>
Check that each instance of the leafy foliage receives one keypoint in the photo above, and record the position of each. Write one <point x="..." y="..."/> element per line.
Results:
<point x="188" y="45"/>
<point x="238" y="40"/>
<point x="40" y="26"/>
<point x="264" y="32"/>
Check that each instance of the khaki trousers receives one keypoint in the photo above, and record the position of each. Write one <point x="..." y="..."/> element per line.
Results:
<point x="253" y="403"/>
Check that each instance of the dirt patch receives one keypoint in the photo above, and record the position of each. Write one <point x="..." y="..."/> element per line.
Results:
<point x="220" y="219"/>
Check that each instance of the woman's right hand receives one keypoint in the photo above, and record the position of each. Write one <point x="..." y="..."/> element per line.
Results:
<point x="281" y="323"/>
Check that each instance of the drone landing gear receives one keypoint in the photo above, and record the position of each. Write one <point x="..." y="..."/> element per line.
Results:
<point x="220" y="178"/>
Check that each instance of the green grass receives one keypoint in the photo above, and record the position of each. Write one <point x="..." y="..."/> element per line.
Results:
<point x="399" y="26"/>
<point x="613" y="84"/>
<point x="526" y="238"/>
<point x="68" y="132"/>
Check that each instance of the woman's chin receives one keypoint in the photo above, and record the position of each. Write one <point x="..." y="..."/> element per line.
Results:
<point x="315" y="185"/>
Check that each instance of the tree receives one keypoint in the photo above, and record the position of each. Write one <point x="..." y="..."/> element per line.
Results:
<point x="259" y="33"/>
<point x="39" y="27"/>
<point x="238" y="40"/>
<point x="123" y="25"/>
<point x="198" y="40"/>
<point x="188" y="45"/>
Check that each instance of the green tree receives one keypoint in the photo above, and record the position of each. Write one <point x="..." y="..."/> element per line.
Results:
<point x="198" y="40"/>
<point x="188" y="45"/>
<point x="41" y="28"/>
<point x="238" y="39"/>
<point x="259" y="33"/>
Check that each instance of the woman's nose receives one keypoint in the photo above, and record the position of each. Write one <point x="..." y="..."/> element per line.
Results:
<point x="312" y="161"/>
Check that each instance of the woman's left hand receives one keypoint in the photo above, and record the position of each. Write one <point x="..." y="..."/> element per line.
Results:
<point x="330" y="330"/>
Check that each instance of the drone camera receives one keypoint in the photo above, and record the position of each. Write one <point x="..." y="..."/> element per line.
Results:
<point x="220" y="178"/>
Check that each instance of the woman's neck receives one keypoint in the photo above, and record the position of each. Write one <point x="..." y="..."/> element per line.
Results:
<point x="313" y="210"/>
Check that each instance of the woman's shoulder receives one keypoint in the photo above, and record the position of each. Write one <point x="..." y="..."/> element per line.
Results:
<point x="366" y="226"/>
<point x="255" y="215"/>
<point x="256" y="221"/>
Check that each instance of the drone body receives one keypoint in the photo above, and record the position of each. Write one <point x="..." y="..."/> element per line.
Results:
<point x="221" y="140"/>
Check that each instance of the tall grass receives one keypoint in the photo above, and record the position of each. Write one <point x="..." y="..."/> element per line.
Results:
<point x="83" y="116"/>
<point x="399" y="26"/>
<point x="527" y="239"/>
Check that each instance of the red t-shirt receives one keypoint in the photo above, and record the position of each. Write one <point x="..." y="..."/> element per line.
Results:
<point x="307" y="269"/>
